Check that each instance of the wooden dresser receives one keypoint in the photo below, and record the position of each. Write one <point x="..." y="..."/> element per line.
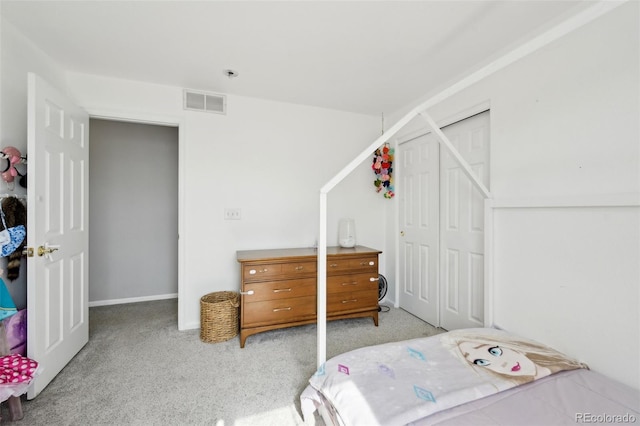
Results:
<point x="278" y="287"/>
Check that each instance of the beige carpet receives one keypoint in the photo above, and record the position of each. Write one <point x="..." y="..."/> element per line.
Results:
<point x="138" y="369"/>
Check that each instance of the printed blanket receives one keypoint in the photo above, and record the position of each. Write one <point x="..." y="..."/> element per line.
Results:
<point x="402" y="382"/>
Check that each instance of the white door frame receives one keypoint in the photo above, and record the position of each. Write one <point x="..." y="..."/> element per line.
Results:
<point x="461" y="115"/>
<point x="171" y="121"/>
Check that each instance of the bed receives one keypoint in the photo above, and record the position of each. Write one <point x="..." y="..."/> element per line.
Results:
<point x="477" y="376"/>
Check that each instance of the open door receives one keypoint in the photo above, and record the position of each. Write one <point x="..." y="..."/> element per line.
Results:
<point x="57" y="230"/>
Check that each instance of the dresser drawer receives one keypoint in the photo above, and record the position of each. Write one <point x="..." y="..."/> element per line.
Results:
<point x="273" y="290"/>
<point x="336" y="266"/>
<point x="279" y="311"/>
<point x="350" y="301"/>
<point x="353" y="282"/>
<point x="261" y="272"/>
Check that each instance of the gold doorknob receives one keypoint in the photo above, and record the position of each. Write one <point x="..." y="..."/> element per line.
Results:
<point x="42" y="250"/>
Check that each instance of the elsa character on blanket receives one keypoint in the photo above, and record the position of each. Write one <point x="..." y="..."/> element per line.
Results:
<point x="520" y="361"/>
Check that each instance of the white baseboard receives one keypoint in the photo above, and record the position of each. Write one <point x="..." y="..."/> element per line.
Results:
<point x="191" y="326"/>
<point x="133" y="300"/>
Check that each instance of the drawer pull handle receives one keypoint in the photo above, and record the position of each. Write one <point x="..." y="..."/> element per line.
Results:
<point x="333" y="265"/>
<point x="299" y="268"/>
<point x="250" y="292"/>
<point x="263" y="270"/>
<point x="282" y="309"/>
<point x="372" y="279"/>
<point x="350" y="301"/>
<point x="252" y="272"/>
<point x="351" y="283"/>
<point x="280" y="290"/>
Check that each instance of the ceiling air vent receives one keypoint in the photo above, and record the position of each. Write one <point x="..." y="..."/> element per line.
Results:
<point x="207" y="102"/>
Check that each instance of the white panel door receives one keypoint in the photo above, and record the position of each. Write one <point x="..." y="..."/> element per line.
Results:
<point x="57" y="272"/>
<point x="419" y="228"/>
<point x="462" y="225"/>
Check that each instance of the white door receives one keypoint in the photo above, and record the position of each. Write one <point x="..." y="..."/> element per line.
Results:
<point x="462" y="225"/>
<point x="441" y="226"/>
<point x="57" y="196"/>
<point x="419" y="211"/>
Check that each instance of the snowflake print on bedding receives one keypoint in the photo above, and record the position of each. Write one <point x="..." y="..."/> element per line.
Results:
<point x="416" y="354"/>
<point x="383" y="369"/>
<point x="424" y="394"/>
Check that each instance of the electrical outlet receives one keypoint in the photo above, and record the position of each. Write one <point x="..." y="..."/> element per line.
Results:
<point x="232" y="214"/>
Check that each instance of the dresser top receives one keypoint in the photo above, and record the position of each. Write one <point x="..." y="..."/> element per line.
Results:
<point x="304" y="252"/>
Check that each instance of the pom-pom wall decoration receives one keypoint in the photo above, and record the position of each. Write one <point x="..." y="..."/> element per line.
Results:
<point x="383" y="167"/>
<point x="13" y="157"/>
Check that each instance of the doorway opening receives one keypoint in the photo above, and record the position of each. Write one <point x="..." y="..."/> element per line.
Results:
<point x="133" y="212"/>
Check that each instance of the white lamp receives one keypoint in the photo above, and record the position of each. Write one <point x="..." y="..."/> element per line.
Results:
<point x="347" y="233"/>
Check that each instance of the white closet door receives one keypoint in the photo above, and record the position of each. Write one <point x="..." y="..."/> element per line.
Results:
<point x="462" y="225"/>
<point x="419" y="228"/>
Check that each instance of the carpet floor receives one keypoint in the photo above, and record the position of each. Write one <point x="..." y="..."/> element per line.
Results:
<point x="138" y="369"/>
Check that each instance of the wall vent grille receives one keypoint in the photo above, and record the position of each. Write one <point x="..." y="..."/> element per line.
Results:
<point x="206" y="102"/>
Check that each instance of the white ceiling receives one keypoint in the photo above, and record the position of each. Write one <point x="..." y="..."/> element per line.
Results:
<point x="360" y="56"/>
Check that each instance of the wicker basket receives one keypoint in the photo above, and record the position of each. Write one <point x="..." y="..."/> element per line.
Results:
<point x="219" y="316"/>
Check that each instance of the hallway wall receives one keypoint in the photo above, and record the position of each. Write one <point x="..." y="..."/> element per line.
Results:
<point x="133" y="219"/>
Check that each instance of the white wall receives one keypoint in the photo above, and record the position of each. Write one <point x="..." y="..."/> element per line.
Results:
<point x="570" y="277"/>
<point x="267" y="158"/>
<point x="564" y="124"/>
<point x="562" y="117"/>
